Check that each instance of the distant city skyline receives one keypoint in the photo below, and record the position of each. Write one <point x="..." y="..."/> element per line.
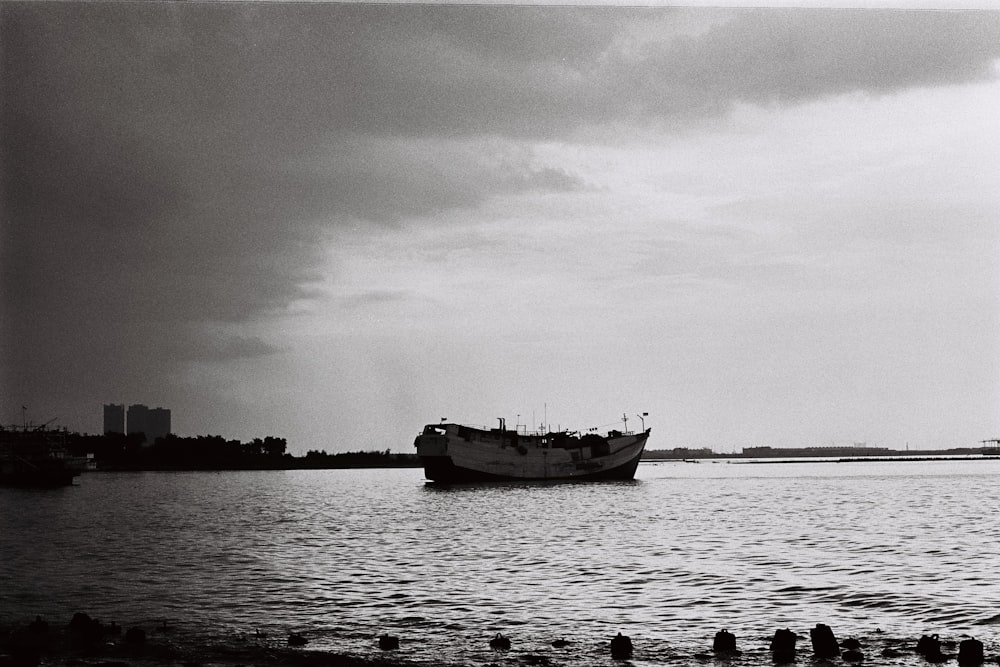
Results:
<point x="139" y="418"/>
<point x="335" y="222"/>
<point x="114" y="418"/>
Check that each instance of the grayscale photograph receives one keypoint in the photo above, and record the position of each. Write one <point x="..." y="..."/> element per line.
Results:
<point x="478" y="334"/>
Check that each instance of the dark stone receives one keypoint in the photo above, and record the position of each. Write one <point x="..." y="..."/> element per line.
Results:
<point x="929" y="646"/>
<point x="388" y="642"/>
<point x="500" y="643"/>
<point x="783" y="645"/>
<point x="38" y="626"/>
<point x="891" y="653"/>
<point x="851" y="643"/>
<point x="970" y="652"/>
<point x="85" y="631"/>
<point x="724" y="642"/>
<point x="135" y="636"/>
<point x="621" y="647"/>
<point x="824" y="642"/>
<point x="560" y="643"/>
<point x="295" y="639"/>
<point x="82" y="622"/>
<point x="853" y="655"/>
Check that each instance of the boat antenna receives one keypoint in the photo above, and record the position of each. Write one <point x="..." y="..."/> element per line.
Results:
<point x="625" y="419"/>
<point x="644" y="414"/>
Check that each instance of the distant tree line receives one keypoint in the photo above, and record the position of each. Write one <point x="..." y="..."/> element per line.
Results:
<point x="118" y="451"/>
<point x="320" y="459"/>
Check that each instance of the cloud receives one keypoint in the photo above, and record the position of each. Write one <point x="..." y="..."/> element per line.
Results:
<point x="168" y="167"/>
<point x="766" y="56"/>
<point x="374" y="297"/>
<point x="235" y="347"/>
<point x="542" y="72"/>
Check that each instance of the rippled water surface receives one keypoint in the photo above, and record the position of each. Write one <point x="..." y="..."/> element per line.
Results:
<point x="684" y="550"/>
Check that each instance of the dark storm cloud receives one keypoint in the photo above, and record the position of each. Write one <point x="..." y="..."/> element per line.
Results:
<point x="539" y="73"/>
<point x="235" y="347"/>
<point x="171" y="164"/>
<point x="766" y="56"/>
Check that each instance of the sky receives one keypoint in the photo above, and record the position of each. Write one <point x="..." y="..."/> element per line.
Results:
<point x="335" y="223"/>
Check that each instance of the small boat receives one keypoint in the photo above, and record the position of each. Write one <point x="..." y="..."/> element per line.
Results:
<point x="454" y="453"/>
<point x="37" y="457"/>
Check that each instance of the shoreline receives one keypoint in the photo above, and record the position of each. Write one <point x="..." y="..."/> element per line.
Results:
<point x="111" y="645"/>
<point x="734" y="458"/>
<point x="868" y="459"/>
<point x="86" y="642"/>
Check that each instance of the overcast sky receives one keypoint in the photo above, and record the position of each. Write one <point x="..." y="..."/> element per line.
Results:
<point x="335" y="223"/>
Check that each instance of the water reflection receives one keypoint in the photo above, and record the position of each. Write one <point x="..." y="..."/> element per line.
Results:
<point x="480" y="487"/>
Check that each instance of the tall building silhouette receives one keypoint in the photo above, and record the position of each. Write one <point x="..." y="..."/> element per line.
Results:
<point x="159" y="423"/>
<point x="114" y="418"/>
<point x="138" y="416"/>
<point x="154" y="423"/>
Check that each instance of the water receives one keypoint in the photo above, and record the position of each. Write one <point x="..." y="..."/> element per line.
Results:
<point x="670" y="558"/>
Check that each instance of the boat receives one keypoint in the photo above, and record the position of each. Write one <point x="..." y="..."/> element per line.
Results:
<point x="455" y="453"/>
<point x="37" y="457"/>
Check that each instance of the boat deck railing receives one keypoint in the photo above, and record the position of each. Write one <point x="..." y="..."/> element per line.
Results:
<point x="522" y="430"/>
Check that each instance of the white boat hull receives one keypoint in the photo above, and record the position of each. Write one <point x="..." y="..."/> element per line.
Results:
<point x="453" y="453"/>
